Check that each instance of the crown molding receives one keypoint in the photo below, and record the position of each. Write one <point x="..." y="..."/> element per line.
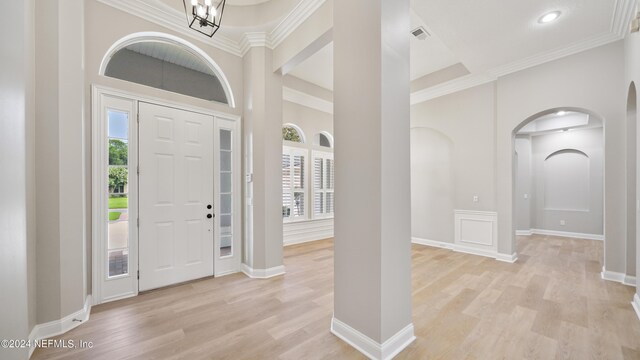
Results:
<point x="450" y="87"/>
<point x="622" y="16"/>
<point x="623" y="13"/>
<point x="161" y="14"/>
<point x="295" y="18"/>
<point x="554" y="54"/>
<point x="254" y="39"/>
<point x="304" y="99"/>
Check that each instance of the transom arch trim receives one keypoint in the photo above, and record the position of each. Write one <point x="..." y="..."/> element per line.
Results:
<point x="151" y="36"/>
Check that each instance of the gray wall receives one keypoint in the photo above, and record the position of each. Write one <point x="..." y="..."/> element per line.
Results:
<point x="524" y="190"/>
<point x="551" y="203"/>
<point x="16" y="95"/>
<point x="432" y="185"/>
<point x="454" y="137"/>
<point x="632" y="196"/>
<point x="311" y="121"/>
<point x="574" y="81"/>
<point x="60" y="148"/>
<point x="632" y="75"/>
<point x="481" y="122"/>
<point x="468" y="119"/>
<point x="146" y="70"/>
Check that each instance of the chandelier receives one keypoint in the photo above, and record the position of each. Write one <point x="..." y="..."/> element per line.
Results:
<point x="204" y="17"/>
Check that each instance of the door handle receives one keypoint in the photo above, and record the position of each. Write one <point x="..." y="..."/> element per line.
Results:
<point x="209" y="216"/>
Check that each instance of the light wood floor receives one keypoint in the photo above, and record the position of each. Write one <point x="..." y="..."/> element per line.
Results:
<point x="552" y="304"/>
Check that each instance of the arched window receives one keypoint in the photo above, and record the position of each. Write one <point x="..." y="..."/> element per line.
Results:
<point x="169" y="63"/>
<point x="324" y="139"/>
<point x="292" y="133"/>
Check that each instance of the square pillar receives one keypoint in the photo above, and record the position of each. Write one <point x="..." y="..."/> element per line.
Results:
<point x="372" y="296"/>
<point x="263" y="162"/>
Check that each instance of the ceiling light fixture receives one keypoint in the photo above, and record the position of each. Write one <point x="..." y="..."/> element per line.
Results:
<point x="561" y="113"/>
<point x="549" y="17"/>
<point x="204" y="18"/>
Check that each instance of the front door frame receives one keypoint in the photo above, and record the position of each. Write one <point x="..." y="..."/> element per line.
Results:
<point x="99" y="235"/>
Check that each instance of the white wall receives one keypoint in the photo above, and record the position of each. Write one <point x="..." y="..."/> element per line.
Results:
<point x="311" y="122"/>
<point x="562" y="186"/>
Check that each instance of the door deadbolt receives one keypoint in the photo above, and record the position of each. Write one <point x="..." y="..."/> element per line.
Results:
<point x="209" y="216"/>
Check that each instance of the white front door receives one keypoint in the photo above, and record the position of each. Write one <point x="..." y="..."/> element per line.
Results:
<point x="176" y="236"/>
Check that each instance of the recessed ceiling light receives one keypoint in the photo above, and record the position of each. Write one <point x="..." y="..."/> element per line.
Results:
<point x="561" y="113"/>
<point x="549" y="17"/>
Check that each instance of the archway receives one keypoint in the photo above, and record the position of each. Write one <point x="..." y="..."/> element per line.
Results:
<point x="559" y="174"/>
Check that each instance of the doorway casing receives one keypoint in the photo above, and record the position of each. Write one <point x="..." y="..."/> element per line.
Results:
<point x="221" y="120"/>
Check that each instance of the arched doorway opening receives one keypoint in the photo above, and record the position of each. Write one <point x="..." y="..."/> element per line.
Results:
<point x="558" y="178"/>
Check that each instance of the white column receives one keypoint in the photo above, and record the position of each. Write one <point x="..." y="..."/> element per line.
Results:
<point x="263" y="150"/>
<point x="372" y="296"/>
<point x="15" y="39"/>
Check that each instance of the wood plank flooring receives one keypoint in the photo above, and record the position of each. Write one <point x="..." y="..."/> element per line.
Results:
<point x="551" y="304"/>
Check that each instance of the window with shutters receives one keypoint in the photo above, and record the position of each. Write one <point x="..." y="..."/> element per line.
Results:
<point x="294" y="170"/>
<point x="323" y="168"/>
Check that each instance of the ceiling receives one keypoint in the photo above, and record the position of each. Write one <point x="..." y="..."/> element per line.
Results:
<point x="241" y="16"/>
<point x="487" y="38"/>
<point x="491" y="36"/>
<point x="318" y="68"/>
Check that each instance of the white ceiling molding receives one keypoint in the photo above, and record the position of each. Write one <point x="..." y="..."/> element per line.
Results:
<point x="254" y="39"/>
<point x="623" y="13"/>
<point x="296" y="17"/>
<point x="554" y="54"/>
<point x="304" y="99"/>
<point x="450" y="87"/>
<point x="160" y="13"/>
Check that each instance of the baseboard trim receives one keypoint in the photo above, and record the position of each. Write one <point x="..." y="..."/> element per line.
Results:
<point x="432" y="243"/>
<point x="467" y="250"/>
<point x="262" y="273"/>
<point x="629" y="280"/>
<point x="507" y="258"/>
<point x="225" y="273"/>
<point x="573" y="235"/>
<point x="61" y="326"/>
<point x="617" y="277"/>
<point x="370" y="348"/>
<point x="298" y="242"/>
<point x="524" y="232"/>
<point x="636" y="304"/>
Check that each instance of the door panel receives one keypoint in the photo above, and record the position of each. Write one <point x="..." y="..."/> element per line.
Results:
<point x="176" y="185"/>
